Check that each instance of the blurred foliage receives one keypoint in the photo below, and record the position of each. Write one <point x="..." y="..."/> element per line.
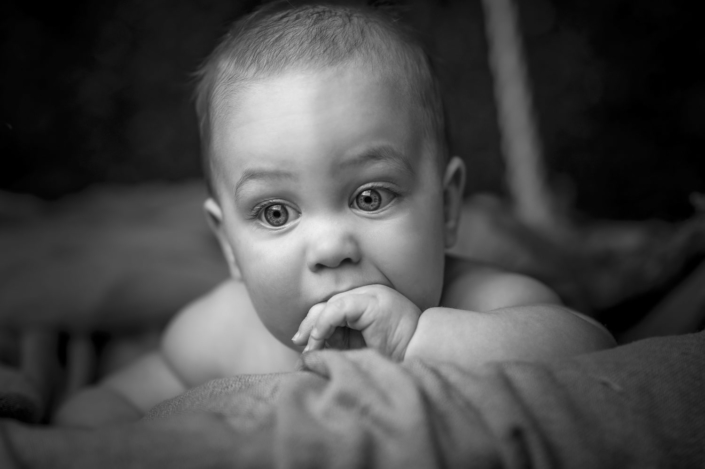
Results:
<point x="100" y="92"/>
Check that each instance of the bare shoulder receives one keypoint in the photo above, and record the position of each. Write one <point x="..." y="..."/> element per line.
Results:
<point x="476" y="286"/>
<point x="205" y="331"/>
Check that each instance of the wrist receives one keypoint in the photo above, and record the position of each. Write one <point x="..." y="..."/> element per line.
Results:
<point x="420" y="340"/>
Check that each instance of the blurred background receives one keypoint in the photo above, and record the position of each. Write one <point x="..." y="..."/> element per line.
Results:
<point x="96" y="118"/>
<point x="94" y="92"/>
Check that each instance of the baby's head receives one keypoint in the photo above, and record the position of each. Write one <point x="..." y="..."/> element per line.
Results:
<point x="281" y="38"/>
<point x="324" y="143"/>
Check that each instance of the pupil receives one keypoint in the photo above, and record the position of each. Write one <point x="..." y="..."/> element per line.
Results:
<point x="369" y="200"/>
<point x="275" y="215"/>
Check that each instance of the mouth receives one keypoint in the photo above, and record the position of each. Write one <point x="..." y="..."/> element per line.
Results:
<point x="331" y="295"/>
<point x="327" y="297"/>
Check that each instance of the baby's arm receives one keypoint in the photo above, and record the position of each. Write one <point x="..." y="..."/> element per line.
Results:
<point x="522" y="319"/>
<point x="123" y="396"/>
<point x="489" y="315"/>
<point x="522" y="332"/>
<point x="184" y="359"/>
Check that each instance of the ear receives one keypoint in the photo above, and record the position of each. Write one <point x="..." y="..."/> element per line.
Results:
<point x="453" y="186"/>
<point x="214" y="216"/>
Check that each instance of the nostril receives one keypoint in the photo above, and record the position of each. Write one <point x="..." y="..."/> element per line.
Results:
<point x="330" y="249"/>
<point x="332" y="265"/>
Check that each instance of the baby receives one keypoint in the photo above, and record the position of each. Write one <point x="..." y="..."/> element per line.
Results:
<point x="334" y="199"/>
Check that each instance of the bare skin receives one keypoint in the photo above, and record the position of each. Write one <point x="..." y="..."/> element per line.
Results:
<point x="334" y="210"/>
<point x="220" y="335"/>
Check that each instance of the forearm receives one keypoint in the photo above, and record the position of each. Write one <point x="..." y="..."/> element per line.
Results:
<point x="524" y="332"/>
<point x="123" y="396"/>
<point x="94" y="407"/>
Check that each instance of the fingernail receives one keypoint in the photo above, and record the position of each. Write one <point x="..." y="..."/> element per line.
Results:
<point x="296" y="336"/>
<point x="306" y="349"/>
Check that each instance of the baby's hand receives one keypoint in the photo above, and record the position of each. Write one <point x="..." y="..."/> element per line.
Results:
<point x="385" y="317"/>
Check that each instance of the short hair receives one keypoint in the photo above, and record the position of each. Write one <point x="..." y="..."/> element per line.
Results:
<point x="280" y="36"/>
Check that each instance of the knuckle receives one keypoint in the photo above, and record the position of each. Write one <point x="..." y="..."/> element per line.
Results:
<point x="316" y="310"/>
<point x="338" y="302"/>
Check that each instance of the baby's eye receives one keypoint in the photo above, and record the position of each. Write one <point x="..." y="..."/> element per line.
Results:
<point x="371" y="200"/>
<point x="276" y="215"/>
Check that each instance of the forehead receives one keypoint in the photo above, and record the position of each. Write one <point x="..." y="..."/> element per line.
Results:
<point x="302" y="114"/>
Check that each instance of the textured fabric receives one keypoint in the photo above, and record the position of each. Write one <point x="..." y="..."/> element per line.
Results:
<point x="636" y="406"/>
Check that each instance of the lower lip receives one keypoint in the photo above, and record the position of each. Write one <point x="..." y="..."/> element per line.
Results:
<point x="328" y="297"/>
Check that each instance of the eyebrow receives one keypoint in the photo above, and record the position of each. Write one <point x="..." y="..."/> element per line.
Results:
<point x="259" y="174"/>
<point x="382" y="153"/>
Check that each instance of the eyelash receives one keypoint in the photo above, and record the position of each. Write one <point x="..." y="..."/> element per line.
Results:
<point x="258" y="210"/>
<point x="378" y="187"/>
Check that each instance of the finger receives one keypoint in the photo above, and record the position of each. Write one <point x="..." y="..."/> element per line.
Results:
<point x="320" y="331"/>
<point x="307" y="324"/>
<point x="344" y="311"/>
<point x="314" y="344"/>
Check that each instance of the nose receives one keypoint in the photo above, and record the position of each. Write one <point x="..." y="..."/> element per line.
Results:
<point x="332" y="244"/>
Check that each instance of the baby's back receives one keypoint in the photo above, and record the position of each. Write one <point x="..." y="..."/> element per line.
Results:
<point x="478" y="286"/>
<point x="221" y="335"/>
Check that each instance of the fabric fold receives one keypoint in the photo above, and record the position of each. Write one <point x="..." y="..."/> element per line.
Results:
<point x="635" y="406"/>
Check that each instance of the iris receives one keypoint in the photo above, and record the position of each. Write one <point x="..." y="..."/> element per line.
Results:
<point x="369" y="200"/>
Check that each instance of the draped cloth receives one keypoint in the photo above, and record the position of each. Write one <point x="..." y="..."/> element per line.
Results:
<point x="635" y="406"/>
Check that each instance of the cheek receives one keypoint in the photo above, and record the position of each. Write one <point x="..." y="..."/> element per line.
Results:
<point x="411" y="254"/>
<point x="272" y="274"/>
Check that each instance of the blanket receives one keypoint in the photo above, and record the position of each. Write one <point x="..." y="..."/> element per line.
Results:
<point x="121" y="260"/>
<point x="636" y="406"/>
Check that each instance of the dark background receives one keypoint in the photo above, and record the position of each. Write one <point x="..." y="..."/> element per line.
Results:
<point x="99" y="91"/>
